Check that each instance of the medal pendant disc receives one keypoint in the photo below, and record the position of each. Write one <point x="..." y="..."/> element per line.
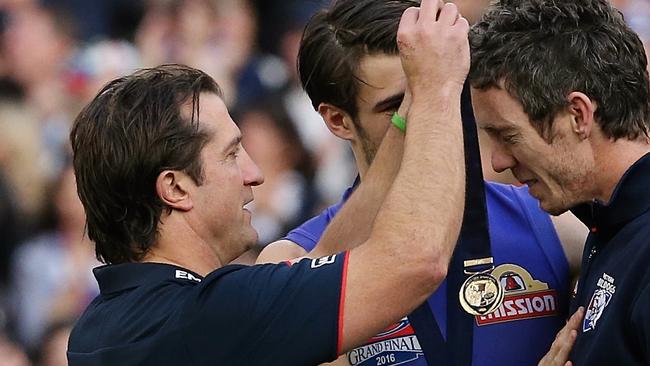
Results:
<point x="481" y="294"/>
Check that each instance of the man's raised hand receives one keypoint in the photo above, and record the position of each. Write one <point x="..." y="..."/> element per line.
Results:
<point x="434" y="46"/>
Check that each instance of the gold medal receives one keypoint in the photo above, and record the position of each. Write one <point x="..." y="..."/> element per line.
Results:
<point x="481" y="294"/>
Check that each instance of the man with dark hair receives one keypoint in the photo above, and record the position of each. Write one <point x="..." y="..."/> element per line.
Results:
<point x="562" y="89"/>
<point x="350" y="67"/>
<point x="164" y="181"/>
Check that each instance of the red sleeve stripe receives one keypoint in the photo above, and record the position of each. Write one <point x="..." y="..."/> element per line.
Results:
<point x="288" y="263"/>
<point x="344" y="278"/>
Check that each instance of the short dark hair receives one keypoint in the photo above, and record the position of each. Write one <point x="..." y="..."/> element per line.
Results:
<point x="122" y="140"/>
<point x="335" y="40"/>
<point x="542" y="50"/>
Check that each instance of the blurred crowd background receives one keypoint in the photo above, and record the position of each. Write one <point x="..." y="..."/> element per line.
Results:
<point x="54" y="57"/>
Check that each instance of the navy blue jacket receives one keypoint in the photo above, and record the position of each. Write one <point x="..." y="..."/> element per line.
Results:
<point x="614" y="285"/>
<point x="159" y="314"/>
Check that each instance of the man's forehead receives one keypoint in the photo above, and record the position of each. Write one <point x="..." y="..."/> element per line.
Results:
<point x="380" y="77"/>
<point x="492" y="107"/>
<point x="207" y="103"/>
<point x="213" y="118"/>
<point x="380" y="67"/>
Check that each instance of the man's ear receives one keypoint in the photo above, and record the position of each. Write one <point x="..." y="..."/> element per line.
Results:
<point x="337" y="121"/>
<point x="171" y="187"/>
<point x="583" y="110"/>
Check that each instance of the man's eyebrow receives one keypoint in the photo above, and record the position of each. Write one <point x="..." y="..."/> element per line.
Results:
<point x="492" y="128"/>
<point x="388" y="103"/>
<point x="234" y="142"/>
<point x="487" y="127"/>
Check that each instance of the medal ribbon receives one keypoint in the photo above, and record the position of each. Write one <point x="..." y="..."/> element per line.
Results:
<point x="473" y="243"/>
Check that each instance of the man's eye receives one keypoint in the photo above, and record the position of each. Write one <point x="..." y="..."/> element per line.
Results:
<point x="234" y="154"/>
<point x="509" y="139"/>
<point x="490" y="132"/>
<point x="391" y="109"/>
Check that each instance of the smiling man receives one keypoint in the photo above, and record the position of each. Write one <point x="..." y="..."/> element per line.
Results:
<point x="561" y="86"/>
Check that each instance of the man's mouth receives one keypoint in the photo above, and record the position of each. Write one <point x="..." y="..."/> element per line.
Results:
<point x="248" y="205"/>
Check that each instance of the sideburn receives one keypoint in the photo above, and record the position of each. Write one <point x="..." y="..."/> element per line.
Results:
<point x="369" y="149"/>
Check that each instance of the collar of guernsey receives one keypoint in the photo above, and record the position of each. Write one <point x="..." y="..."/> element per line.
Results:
<point x="473" y="243"/>
<point x="119" y="277"/>
<point x="630" y="198"/>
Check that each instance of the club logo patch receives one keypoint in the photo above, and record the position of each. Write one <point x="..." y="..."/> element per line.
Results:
<point x="396" y="345"/>
<point x="599" y="300"/>
<point x="524" y="298"/>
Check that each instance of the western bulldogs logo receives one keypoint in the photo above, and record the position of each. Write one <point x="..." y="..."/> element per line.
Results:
<point x="599" y="301"/>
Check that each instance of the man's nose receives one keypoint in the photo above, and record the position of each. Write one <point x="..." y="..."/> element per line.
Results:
<point x="502" y="159"/>
<point x="250" y="171"/>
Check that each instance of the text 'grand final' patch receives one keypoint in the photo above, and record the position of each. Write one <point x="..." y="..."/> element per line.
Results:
<point x="396" y="345"/>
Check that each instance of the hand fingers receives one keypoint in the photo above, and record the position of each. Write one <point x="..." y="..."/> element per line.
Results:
<point x="565" y="348"/>
<point x="553" y="357"/>
<point x="564" y="341"/>
<point x="576" y="318"/>
<point x="570" y="334"/>
<point x="429" y="10"/>
<point x="448" y="14"/>
<point x="463" y="24"/>
<point x="408" y="20"/>
<point x="571" y="327"/>
<point x="573" y="323"/>
<point x="406" y="25"/>
<point x="433" y="51"/>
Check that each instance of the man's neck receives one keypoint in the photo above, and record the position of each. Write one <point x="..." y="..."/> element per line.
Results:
<point x="181" y="246"/>
<point x="613" y="160"/>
